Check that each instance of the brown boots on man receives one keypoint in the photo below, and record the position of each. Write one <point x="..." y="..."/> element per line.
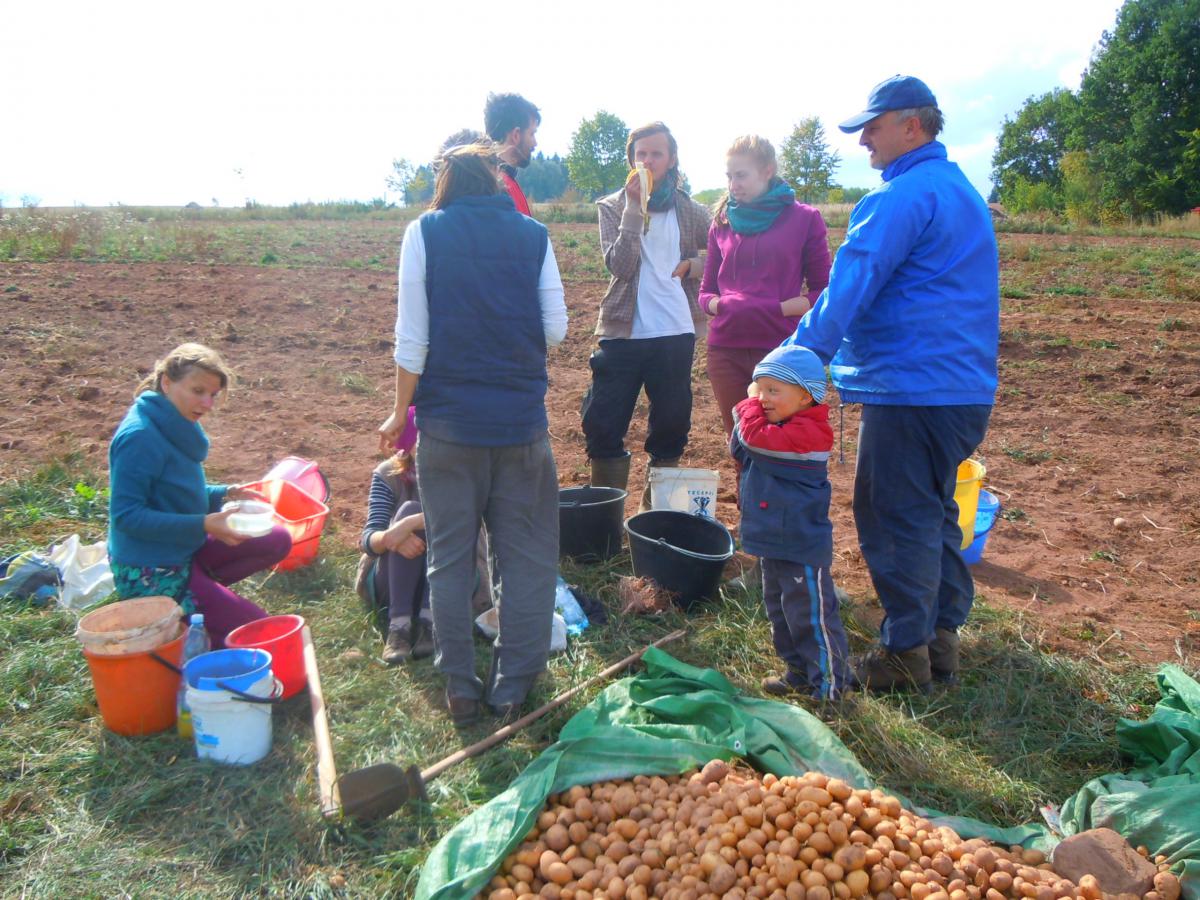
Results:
<point x="916" y="669"/>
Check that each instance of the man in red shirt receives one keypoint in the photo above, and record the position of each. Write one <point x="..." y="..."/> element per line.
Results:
<point x="512" y="122"/>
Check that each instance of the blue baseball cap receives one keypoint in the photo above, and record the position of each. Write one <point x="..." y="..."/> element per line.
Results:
<point x="795" y="365"/>
<point x="898" y="92"/>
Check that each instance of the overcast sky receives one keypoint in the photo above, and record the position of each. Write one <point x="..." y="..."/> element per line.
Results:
<point x="169" y="102"/>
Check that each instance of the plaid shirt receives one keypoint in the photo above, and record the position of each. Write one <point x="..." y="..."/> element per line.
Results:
<point x="621" y="243"/>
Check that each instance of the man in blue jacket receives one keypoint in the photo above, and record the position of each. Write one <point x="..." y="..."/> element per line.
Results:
<point x="910" y="328"/>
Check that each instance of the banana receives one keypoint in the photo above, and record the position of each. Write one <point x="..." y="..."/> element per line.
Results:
<point x="647" y="187"/>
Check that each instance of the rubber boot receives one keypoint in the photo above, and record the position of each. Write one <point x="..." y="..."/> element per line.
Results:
<point x="645" y="506"/>
<point x="882" y="670"/>
<point x="612" y="472"/>
<point x="943" y="656"/>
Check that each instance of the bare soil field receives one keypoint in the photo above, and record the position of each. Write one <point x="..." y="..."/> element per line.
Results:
<point x="1092" y="446"/>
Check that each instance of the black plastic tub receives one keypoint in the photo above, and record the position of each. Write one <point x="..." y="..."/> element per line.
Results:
<point x="683" y="553"/>
<point x="589" y="522"/>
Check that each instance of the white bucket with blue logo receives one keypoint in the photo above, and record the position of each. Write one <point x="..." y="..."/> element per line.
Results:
<point x="230" y="694"/>
<point x="692" y="491"/>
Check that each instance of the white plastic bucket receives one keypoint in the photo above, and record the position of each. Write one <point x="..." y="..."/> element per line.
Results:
<point x="229" y="730"/>
<point x="692" y="491"/>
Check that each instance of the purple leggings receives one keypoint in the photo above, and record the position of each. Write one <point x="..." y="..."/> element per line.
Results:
<point x="216" y="565"/>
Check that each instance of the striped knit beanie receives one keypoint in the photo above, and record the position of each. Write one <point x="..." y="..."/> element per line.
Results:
<point x="795" y="365"/>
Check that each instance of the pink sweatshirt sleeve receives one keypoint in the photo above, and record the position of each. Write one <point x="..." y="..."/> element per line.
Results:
<point x="712" y="265"/>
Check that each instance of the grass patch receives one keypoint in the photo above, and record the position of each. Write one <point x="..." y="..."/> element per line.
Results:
<point x="1026" y="455"/>
<point x="88" y="813"/>
<point x="358" y="383"/>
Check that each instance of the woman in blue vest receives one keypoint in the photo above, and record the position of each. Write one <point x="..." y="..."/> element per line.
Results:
<point x="480" y="300"/>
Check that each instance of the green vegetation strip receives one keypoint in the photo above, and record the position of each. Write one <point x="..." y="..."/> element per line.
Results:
<point x="84" y="812"/>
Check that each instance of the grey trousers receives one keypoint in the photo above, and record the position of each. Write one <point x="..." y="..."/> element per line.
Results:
<point x="515" y="491"/>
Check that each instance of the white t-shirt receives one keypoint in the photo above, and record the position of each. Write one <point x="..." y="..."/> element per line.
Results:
<point x="662" y="306"/>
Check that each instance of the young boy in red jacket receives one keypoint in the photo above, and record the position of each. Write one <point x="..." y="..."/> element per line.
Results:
<point x="782" y="439"/>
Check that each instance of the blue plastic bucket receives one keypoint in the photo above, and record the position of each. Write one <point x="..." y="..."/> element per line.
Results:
<point x="985" y="518"/>
<point x="238" y="670"/>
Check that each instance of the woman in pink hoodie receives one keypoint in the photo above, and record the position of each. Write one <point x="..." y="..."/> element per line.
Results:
<point x="768" y="261"/>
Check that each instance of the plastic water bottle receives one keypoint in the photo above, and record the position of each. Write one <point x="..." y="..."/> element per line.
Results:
<point x="194" y="644"/>
<point x="568" y="607"/>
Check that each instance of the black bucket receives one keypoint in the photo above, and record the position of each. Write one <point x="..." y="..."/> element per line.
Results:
<point x="685" y="554"/>
<point x="589" y="522"/>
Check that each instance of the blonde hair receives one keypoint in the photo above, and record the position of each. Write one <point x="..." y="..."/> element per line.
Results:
<point x="176" y="364"/>
<point x="759" y="149"/>
<point x="403" y="462"/>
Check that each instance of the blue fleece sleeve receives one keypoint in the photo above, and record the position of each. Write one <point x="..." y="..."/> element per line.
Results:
<point x="883" y="228"/>
<point x="135" y="460"/>
<point x="216" y="496"/>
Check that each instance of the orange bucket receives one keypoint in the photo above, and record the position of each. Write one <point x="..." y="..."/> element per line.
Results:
<point x="136" y="693"/>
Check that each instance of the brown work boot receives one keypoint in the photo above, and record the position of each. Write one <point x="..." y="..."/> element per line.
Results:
<point x="882" y="670"/>
<point x="398" y="647"/>
<point x="943" y="656"/>
<point x="613" y="473"/>
<point x="463" y="710"/>
<point x="645" y="505"/>
<point x="422" y="645"/>
<point x="784" y="684"/>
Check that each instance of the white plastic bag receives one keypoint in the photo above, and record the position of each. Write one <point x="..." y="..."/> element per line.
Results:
<point x="488" y="622"/>
<point x="691" y="491"/>
<point x="86" y="576"/>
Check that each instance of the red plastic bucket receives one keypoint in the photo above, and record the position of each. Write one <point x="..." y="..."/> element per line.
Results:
<point x="301" y="514"/>
<point x="303" y="473"/>
<point x="281" y="636"/>
<point x="136" y="693"/>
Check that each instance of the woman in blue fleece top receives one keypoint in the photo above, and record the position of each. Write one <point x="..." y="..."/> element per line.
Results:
<point x="167" y="534"/>
<point x="910" y="327"/>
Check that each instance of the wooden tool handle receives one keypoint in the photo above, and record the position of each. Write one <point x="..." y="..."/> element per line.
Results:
<point x="509" y="730"/>
<point x="331" y="802"/>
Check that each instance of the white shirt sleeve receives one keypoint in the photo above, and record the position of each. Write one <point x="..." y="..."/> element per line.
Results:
<point x="412" y="306"/>
<point x="550" y="296"/>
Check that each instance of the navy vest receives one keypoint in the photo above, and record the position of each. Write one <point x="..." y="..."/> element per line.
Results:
<point x="484" y="382"/>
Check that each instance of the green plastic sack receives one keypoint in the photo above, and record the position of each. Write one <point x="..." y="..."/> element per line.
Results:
<point x="673" y="717"/>
<point x="1157" y="803"/>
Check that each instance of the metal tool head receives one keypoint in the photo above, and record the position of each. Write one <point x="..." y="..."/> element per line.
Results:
<point x="377" y="791"/>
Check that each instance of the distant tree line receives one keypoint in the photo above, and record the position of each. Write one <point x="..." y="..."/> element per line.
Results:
<point x="595" y="165"/>
<point x="1127" y="143"/>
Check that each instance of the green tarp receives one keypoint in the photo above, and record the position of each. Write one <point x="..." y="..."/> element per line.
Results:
<point x="673" y="717"/>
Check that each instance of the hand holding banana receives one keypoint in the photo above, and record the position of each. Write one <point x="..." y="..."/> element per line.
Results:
<point x="638" y="187"/>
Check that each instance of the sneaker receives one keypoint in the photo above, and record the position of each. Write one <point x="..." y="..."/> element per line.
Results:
<point x="422" y="645"/>
<point x="943" y="657"/>
<point x="882" y="670"/>
<point x="398" y="647"/>
<point x="463" y="710"/>
<point x="783" y="685"/>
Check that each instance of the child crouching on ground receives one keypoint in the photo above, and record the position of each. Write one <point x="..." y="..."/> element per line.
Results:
<point x="782" y="439"/>
<point x="391" y="576"/>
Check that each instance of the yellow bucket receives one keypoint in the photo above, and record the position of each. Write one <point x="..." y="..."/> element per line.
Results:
<point x="966" y="495"/>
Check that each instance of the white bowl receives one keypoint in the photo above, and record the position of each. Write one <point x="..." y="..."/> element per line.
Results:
<point x="253" y="518"/>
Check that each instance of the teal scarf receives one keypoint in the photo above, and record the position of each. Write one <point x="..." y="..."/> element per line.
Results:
<point x="760" y="214"/>
<point x="662" y="197"/>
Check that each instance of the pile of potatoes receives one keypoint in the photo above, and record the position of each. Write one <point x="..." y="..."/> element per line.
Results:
<point x="730" y="833"/>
